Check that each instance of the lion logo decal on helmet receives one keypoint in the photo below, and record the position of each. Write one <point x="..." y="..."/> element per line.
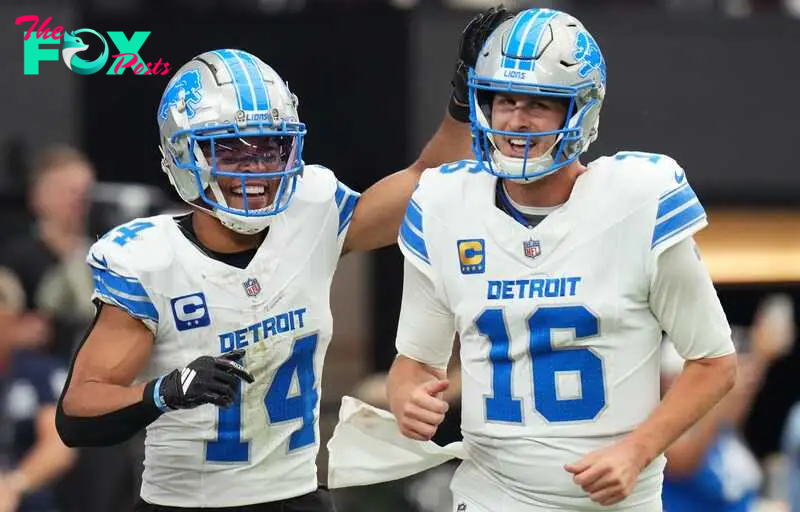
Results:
<point x="188" y="83"/>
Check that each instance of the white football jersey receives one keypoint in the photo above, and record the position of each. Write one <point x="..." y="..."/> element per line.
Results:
<point x="263" y="448"/>
<point x="559" y="342"/>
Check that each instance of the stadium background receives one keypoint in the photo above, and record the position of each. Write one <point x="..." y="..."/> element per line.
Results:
<point x="711" y="83"/>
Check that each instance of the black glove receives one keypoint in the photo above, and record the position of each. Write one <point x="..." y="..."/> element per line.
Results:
<point x="206" y="380"/>
<point x="474" y="36"/>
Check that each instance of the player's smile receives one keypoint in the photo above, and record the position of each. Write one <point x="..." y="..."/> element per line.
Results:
<point x="260" y="192"/>
<point x="516" y="146"/>
<point x="524" y="113"/>
<point x="256" y="155"/>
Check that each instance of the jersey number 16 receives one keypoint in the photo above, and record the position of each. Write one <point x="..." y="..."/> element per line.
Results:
<point x="547" y="364"/>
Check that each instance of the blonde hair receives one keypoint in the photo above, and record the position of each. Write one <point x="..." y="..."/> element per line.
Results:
<point x="54" y="158"/>
<point x="12" y="296"/>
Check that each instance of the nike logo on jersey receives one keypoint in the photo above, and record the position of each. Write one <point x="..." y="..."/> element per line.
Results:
<point x="533" y="288"/>
<point x="680" y="174"/>
<point x="102" y="263"/>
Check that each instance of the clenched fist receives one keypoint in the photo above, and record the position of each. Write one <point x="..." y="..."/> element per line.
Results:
<point x="421" y="410"/>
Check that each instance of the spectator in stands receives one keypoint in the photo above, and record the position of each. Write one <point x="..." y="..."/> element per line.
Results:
<point x="49" y="260"/>
<point x="50" y="264"/>
<point x="791" y="448"/>
<point x="32" y="455"/>
<point x="711" y="469"/>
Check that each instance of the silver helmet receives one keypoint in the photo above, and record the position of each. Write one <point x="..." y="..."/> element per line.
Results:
<point x="226" y="98"/>
<point x="540" y="52"/>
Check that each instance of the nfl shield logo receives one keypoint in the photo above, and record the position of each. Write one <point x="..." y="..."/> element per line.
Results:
<point x="532" y="248"/>
<point x="252" y="287"/>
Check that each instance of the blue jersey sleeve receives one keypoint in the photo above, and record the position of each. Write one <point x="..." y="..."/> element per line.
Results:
<point x="676" y="211"/>
<point x="346" y="200"/>
<point x="412" y="236"/>
<point x="679" y="215"/>
<point x="117" y="284"/>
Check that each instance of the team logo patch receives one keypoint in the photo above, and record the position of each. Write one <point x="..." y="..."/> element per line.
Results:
<point x="532" y="248"/>
<point x="472" y="256"/>
<point x="252" y="287"/>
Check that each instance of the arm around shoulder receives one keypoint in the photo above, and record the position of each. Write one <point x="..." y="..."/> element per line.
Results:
<point x="380" y="210"/>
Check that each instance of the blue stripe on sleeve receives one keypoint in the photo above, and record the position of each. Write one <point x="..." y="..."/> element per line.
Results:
<point x="674" y="200"/>
<point x="346" y="212"/>
<point x="340" y="193"/>
<point x="346" y="200"/>
<point x="412" y="239"/>
<point x="677" y="223"/>
<point x="125" y="292"/>
<point x="414" y="215"/>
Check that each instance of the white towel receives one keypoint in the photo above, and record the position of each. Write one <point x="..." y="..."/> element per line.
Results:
<point x="368" y="448"/>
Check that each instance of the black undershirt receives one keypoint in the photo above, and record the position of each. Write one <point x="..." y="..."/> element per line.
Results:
<point x="235" y="259"/>
<point x="503" y="202"/>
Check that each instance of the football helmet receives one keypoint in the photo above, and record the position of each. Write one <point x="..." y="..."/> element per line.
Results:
<point x="540" y="52"/>
<point x="230" y="102"/>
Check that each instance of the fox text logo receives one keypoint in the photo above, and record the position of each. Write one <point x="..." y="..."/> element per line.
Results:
<point x="126" y="57"/>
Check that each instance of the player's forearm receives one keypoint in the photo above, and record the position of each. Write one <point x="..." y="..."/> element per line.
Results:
<point x="96" y="414"/>
<point x="89" y="399"/>
<point x="451" y="142"/>
<point x="381" y="208"/>
<point x="700" y="386"/>
<point x="405" y="375"/>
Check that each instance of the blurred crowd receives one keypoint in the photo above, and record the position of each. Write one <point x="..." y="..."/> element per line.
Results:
<point x="45" y="309"/>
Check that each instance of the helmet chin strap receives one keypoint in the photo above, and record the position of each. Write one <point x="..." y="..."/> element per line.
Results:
<point x="239" y="223"/>
<point x="512" y="165"/>
<point x="243" y="225"/>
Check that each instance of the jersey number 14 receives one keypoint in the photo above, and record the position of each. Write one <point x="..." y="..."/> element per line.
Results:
<point x="548" y="365"/>
<point x="280" y="403"/>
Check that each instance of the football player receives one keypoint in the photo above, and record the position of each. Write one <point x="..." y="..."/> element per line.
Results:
<point x="212" y="326"/>
<point x="559" y="278"/>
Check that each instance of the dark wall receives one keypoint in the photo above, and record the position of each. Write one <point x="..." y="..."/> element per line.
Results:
<point x="347" y="68"/>
<point x="715" y="93"/>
